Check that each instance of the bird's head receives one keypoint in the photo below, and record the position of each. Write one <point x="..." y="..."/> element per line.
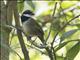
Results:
<point x="26" y="15"/>
<point x="28" y="12"/>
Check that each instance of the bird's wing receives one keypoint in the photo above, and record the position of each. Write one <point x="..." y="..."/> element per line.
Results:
<point x="37" y="26"/>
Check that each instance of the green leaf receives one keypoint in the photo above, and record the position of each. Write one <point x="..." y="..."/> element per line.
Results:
<point x="20" y="5"/>
<point x="60" y="46"/>
<point x="63" y="44"/>
<point x="71" y="54"/>
<point x="30" y="3"/>
<point x="68" y="34"/>
<point x="67" y="4"/>
<point x="51" y="3"/>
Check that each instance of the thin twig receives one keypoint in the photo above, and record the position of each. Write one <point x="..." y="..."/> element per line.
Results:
<point x="16" y="53"/>
<point x="33" y="47"/>
<point x="19" y="29"/>
<point x="10" y="49"/>
<point x="62" y="29"/>
<point x="47" y="48"/>
<point x="36" y="49"/>
<point x="58" y="33"/>
<point x="51" y="22"/>
<point x="12" y="34"/>
<point x="62" y="11"/>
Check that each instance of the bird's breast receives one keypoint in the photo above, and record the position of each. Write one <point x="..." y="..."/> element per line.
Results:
<point x="26" y="26"/>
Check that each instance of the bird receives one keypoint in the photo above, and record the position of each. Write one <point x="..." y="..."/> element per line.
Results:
<point x="30" y="26"/>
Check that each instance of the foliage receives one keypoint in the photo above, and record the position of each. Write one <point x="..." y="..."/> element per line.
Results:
<point x="61" y="24"/>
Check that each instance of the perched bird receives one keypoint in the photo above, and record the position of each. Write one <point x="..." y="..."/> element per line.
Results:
<point x="30" y="26"/>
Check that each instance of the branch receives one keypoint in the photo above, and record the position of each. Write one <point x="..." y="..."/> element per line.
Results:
<point x="49" y="50"/>
<point x="16" y="15"/>
<point x="51" y="21"/>
<point x="59" y="32"/>
<point x="71" y="8"/>
<point x="10" y="49"/>
<point x="15" y="53"/>
<point x="62" y="29"/>
<point x="19" y="29"/>
<point x="36" y="49"/>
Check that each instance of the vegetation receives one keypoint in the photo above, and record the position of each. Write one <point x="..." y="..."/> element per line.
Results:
<point x="60" y="21"/>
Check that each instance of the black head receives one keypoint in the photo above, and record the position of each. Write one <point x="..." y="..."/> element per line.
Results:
<point x="28" y="12"/>
<point x="24" y="17"/>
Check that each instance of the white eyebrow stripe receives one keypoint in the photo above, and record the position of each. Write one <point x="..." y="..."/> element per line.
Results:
<point x="27" y="15"/>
